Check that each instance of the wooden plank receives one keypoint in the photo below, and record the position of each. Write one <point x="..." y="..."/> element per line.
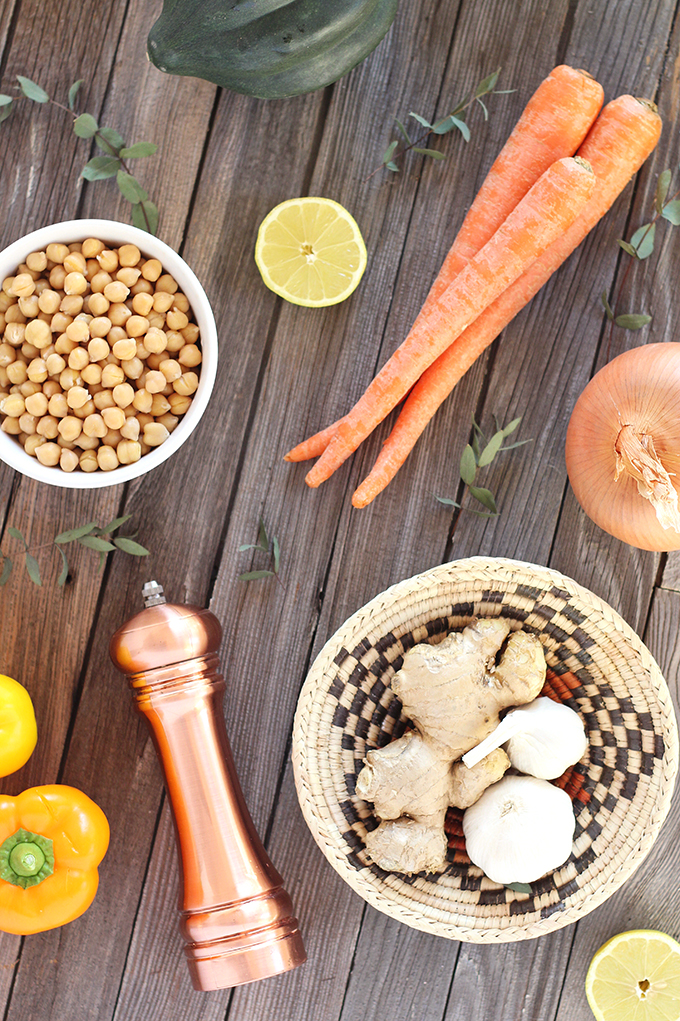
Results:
<point x="643" y="902"/>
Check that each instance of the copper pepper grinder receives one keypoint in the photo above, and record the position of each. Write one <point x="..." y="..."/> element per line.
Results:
<point x="236" y="918"/>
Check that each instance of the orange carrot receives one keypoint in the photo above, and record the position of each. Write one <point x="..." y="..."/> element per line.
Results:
<point x="616" y="147"/>
<point x="553" y="124"/>
<point x="545" y="212"/>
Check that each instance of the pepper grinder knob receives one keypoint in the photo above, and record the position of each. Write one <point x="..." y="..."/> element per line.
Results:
<point x="236" y="918"/>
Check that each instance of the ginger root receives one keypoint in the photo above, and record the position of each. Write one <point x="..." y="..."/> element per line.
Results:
<point x="453" y="692"/>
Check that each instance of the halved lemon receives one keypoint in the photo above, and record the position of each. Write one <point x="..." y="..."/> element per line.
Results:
<point x="310" y="251"/>
<point x="635" y="976"/>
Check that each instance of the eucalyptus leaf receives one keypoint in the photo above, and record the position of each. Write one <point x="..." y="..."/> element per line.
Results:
<point x="491" y="449"/>
<point x="519" y="887"/>
<point x="32" y="91"/>
<point x="627" y="248"/>
<point x="468" y="465"/>
<point x="476" y="450"/>
<point x="95" y="543"/>
<point x="262" y="536"/>
<point x="513" y="446"/>
<point x="671" y="212"/>
<point x="110" y="141"/>
<point x="403" y="130"/>
<point x="632" y="321"/>
<point x="434" y="153"/>
<point x="607" y="306"/>
<point x="662" y="186"/>
<point x="33" y="569"/>
<point x="133" y="152"/>
<point x="16" y="534"/>
<point x="462" y="127"/>
<point x="389" y="151"/>
<point x="487" y="84"/>
<point x="484" y="108"/>
<point x="130" y="188"/>
<point x="116" y="523"/>
<point x="485" y="497"/>
<point x="85" y="126"/>
<point x="63" y="574"/>
<point x="643" y="240"/>
<point x="443" y="126"/>
<point x="254" y="575"/>
<point x="392" y="166"/>
<point x="6" y="570"/>
<point x="445" y="500"/>
<point x="510" y="428"/>
<point x="5" y="107"/>
<point x="145" y="216"/>
<point x="128" y="545"/>
<point x="247" y="545"/>
<point x="75" y="533"/>
<point x="99" y="168"/>
<point x="276" y="552"/>
<point x="73" y="92"/>
<point x="421" y="120"/>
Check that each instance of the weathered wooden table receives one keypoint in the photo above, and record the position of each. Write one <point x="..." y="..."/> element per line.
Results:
<point x="223" y="161"/>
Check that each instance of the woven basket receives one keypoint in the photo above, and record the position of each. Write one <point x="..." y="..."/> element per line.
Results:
<point x="620" y="790"/>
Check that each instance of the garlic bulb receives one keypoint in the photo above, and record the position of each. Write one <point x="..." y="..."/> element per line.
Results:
<point x="542" y="738"/>
<point x="520" y="828"/>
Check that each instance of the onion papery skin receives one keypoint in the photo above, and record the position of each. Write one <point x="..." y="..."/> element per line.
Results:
<point x="641" y="388"/>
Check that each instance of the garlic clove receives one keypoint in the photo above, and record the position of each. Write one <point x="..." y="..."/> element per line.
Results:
<point x="520" y="829"/>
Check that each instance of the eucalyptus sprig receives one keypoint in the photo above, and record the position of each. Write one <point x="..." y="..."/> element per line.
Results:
<point x="267" y="545"/>
<point x="116" y="152"/>
<point x="452" y="122"/>
<point x="480" y="453"/>
<point x="91" y="536"/>
<point x="641" y="246"/>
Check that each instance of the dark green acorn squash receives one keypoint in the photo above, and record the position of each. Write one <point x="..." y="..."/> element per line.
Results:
<point x="268" y="48"/>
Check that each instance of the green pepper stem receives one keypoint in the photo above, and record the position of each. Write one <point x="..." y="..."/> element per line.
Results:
<point x="26" y="859"/>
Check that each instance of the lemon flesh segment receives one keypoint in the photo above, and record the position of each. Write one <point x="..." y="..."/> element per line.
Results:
<point x="310" y="251"/>
<point x="635" y="976"/>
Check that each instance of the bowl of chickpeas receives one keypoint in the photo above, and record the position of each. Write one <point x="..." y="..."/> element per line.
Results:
<point x="108" y="353"/>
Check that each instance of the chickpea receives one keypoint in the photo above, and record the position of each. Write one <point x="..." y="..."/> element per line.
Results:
<point x="75" y="283"/>
<point x="28" y="388"/>
<point x="99" y="281"/>
<point x="116" y="291"/>
<point x="123" y="395"/>
<point x="143" y="401"/>
<point x="177" y="320"/>
<point x="70" y="428"/>
<point x="91" y="373"/>
<point x="107" y="459"/>
<point x="77" y="396"/>
<point x="119" y="314"/>
<point x="190" y="356"/>
<point x="37" y="261"/>
<point x="187" y="384"/>
<point x="57" y="277"/>
<point x="133" y="368"/>
<point x="112" y="375"/>
<point x="13" y="314"/>
<point x="108" y="260"/>
<point x="32" y="443"/>
<point x="144" y="420"/>
<point x="130" y="431"/>
<point x="171" y="369"/>
<point x="29" y="352"/>
<point x="48" y="454"/>
<point x="114" y="418"/>
<point x="190" y="333"/>
<point x="136" y="326"/>
<point x="78" y="359"/>
<point x="14" y="405"/>
<point x="56" y="252"/>
<point x="7" y="355"/>
<point x="155" y="340"/>
<point x="23" y="285"/>
<point x="169" y="421"/>
<point x="142" y="287"/>
<point x="175" y="341"/>
<point x="49" y="301"/>
<point x="88" y="461"/>
<point x="94" y="425"/>
<point x="98" y="305"/>
<point x="60" y="321"/>
<point x="69" y="378"/>
<point x="75" y="263"/>
<point x="155" y="381"/>
<point x="68" y="461"/>
<point x="64" y="346"/>
<point x="103" y="399"/>
<point x="72" y="304"/>
<point x="125" y="349"/>
<point x="15" y="333"/>
<point x="88" y="408"/>
<point x="37" y="405"/>
<point x="155" y="434"/>
<point x="29" y="306"/>
<point x="37" y="370"/>
<point x="162" y="301"/>
<point x="92" y="247"/>
<point x="17" y="372"/>
<point x="98" y="349"/>
<point x="181" y="302"/>
<point x="78" y="331"/>
<point x="51" y="387"/>
<point x="48" y="427"/>
<point x="156" y="319"/>
<point x="58" y="405"/>
<point x="11" y="426"/>
<point x="87" y="442"/>
<point x="151" y="269"/>
<point x="142" y="304"/>
<point x="128" y="275"/>
<point x="27" y="423"/>
<point x="128" y="451"/>
<point x="38" y="333"/>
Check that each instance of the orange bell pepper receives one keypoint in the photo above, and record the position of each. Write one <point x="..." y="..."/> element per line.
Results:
<point x="18" y="733"/>
<point x="52" y="839"/>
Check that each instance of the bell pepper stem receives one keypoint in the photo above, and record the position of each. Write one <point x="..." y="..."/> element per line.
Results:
<point x="26" y="858"/>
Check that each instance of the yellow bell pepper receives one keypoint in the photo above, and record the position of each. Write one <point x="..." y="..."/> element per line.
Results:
<point x="52" y="839"/>
<point x="18" y="732"/>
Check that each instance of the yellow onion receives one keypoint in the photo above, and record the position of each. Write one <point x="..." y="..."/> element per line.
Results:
<point x="623" y="447"/>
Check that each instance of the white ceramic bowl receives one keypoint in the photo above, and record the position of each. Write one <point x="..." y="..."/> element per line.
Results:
<point x="116" y="234"/>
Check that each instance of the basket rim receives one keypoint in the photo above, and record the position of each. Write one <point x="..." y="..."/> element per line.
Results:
<point x="306" y="750"/>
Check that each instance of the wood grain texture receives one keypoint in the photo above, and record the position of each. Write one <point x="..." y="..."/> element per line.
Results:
<point x="223" y="162"/>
